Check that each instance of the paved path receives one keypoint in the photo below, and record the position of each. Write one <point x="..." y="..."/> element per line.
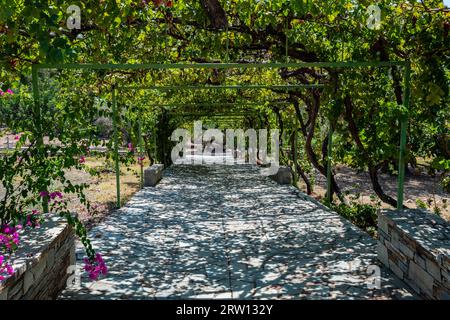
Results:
<point x="228" y="232"/>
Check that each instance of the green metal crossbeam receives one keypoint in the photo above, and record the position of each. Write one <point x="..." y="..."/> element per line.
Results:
<point x="275" y="65"/>
<point x="290" y="87"/>
<point x="201" y="114"/>
<point x="226" y="104"/>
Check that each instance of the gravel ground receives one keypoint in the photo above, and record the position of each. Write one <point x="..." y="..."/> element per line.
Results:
<point x="417" y="186"/>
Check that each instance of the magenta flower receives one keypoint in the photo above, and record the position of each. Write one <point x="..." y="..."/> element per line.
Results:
<point x="51" y="196"/>
<point x="55" y="195"/>
<point x="9" y="238"/>
<point x="43" y="194"/>
<point x="5" y="268"/>
<point x="9" y="91"/>
<point x="82" y="160"/>
<point x="28" y="222"/>
<point x="130" y="147"/>
<point x="96" y="267"/>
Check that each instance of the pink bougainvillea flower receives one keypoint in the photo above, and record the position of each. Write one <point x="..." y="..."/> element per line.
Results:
<point x="9" y="91"/>
<point x="82" y="160"/>
<point x="95" y="267"/>
<point x="16" y="238"/>
<point x="51" y="195"/>
<point x="43" y="194"/>
<point x="141" y="160"/>
<point x="9" y="269"/>
<point x="29" y="223"/>
<point x="16" y="138"/>
<point x="56" y="194"/>
<point x="5" y="268"/>
<point x="9" y="238"/>
<point x="130" y="147"/>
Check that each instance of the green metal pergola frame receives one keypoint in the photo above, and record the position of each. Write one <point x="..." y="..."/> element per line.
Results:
<point x="193" y="87"/>
<point x="288" y="87"/>
<point x="173" y="66"/>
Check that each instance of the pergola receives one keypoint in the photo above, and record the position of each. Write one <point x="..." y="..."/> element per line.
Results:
<point x="173" y="66"/>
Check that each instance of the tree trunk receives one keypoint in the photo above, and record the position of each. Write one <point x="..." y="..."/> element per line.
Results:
<point x="373" y="169"/>
<point x="373" y="173"/>
<point x="148" y="149"/>
<point x="280" y="124"/>
<point x="309" y="150"/>
<point x="298" y="167"/>
<point x="215" y="13"/>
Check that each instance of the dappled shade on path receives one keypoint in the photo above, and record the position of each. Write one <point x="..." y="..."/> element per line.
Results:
<point x="228" y="232"/>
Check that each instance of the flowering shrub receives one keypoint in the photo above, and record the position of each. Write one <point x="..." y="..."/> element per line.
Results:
<point x="10" y="239"/>
<point x="9" y="91"/>
<point x="5" y="268"/>
<point x="30" y="171"/>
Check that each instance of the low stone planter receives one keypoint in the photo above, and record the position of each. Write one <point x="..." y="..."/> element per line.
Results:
<point x="415" y="246"/>
<point x="153" y="174"/>
<point x="283" y="176"/>
<point x="41" y="263"/>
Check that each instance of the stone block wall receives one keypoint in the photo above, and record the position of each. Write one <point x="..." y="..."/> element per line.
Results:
<point x="415" y="246"/>
<point x="283" y="176"/>
<point x="153" y="174"/>
<point x="41" y="263"/>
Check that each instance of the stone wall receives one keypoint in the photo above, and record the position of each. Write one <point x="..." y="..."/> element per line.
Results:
<point x="415" y="245"/>
<point x="153" y="174"/>
<point x="283" y="175"/>
<point x="41" y="263"/>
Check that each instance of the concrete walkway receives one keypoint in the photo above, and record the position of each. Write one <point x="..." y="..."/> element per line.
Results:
<point x="228" y="232"/>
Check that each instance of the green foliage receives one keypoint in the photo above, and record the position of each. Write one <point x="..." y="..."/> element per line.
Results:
<point x="443" y="165"/>
<point x="431" y="205"/>
<point x="362" y="215"/>
<point x="421" y="204"/>
<point x="125" y="31"/>
<point x="446" y="184"/>
<point x="35" y="167"/>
